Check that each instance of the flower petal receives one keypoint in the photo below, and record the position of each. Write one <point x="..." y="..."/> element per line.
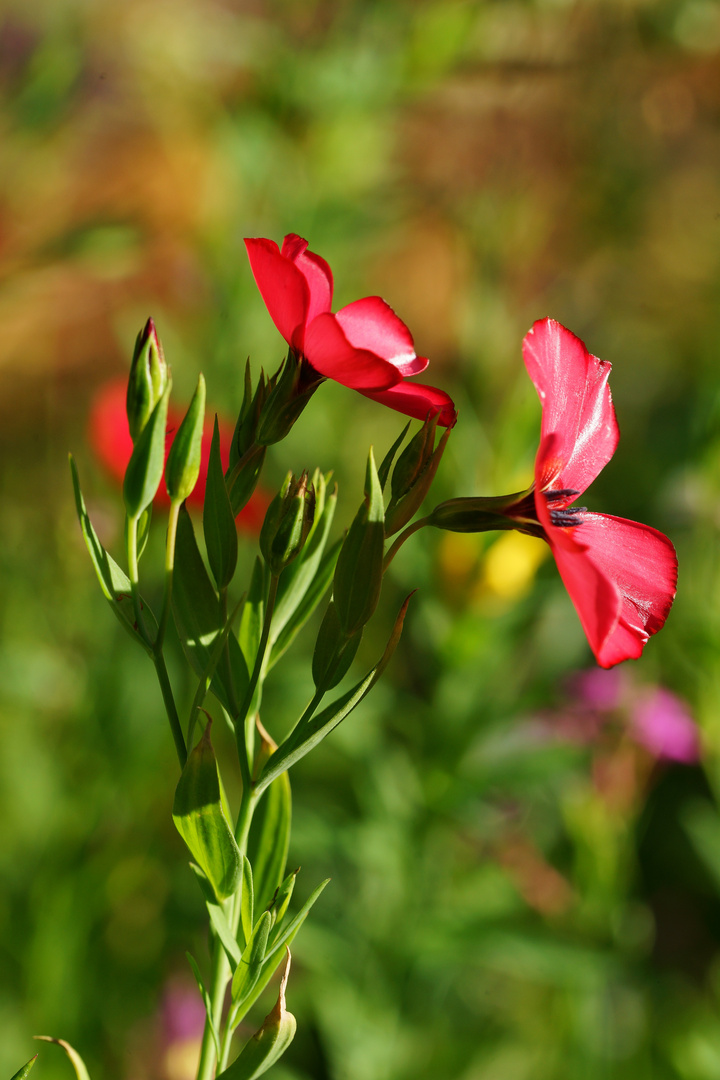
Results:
<point x="576" y="402"/>
<point x="328" y="350"/>
<point x="372" y="324"/>
<point x="621" y="577"/>
<point x="283" y="287"/>
<point x="417" y="399"/>
<point x="314" y="269"/>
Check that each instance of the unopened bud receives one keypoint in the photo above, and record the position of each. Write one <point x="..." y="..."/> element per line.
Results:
<point x="291" y="389"/>
<point x="148" y="379"/>
<point x="413" y="475"/>
<point x="359" y="570"/>
<point x="183" y="464"/>
<point x="287" y="523"/>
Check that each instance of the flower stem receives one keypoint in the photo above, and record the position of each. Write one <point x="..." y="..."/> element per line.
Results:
<point x="133" y="574"/>
<point x="169" y="567"/>
<point x="400" y="540"/>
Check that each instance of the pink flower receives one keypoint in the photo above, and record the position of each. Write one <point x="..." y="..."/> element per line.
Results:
<point x="364" y="346"/>
<point x="109" y="437"/>
<point x="662" y="723"/>
<point x="621" y="576"/>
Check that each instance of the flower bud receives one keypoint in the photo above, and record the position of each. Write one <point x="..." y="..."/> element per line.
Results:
<point x="359" y="570"/>
<point x="290" y="391"/>
<point x="182" y="468"/>
<point x="148" y="379"/>
<point x="287" y="522"/>
<point x="413" y="474"/>
<point x="479" y="514"/>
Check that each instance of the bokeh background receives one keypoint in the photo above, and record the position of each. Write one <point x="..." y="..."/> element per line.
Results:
<point x="525" y="886"/>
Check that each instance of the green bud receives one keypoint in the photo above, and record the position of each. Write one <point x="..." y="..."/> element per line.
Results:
<point x="287" y="523"/>
<point x="148" y="379"/>
<point x="359" y="570"/>
<point x="291" y="389"/>
<point x="413" y="475"/>
<point x="479" y="514"/>
<point x="270" y="1042"/>
<point x="183" y="464"/>
<point x="146" y="465"/>
<point x="334" y="650"/>
<point x="22" y="1073"/>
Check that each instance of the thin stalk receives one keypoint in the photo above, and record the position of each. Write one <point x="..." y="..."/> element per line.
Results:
<point x="133" y="574"/>
<point x="170" y="707"/>
<point x="221" y="973"/>
<point x="169" y="567"/>
<point x="400" y="540"/>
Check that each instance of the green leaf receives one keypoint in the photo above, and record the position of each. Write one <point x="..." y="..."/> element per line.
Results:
<point x="77" y="1062"/>
<point x="334" y="651"/>
<point x="248" y="970"/>
<point x="306" y="736"/>
<point x="218" y="519"/>
<point x="206" y="1000"/>
<point x="114" y="583"/>
<point x="359" y="570"/>
<point x="269" y="840"/>
<point x="314" y="594"/>
<point x="183" y="464"/>
<point x="218" y="918"/>
<point x="198" y="618"/>
<point x="22" y="1073"/>
<point x="386" y="464"/>
<point x="247" y="900"/>
<point x="253" y="615"/>
<point x="282" y="899"/>
<point x="201" y="821"/>
<point x="145" y="468"/>
<point x="270" y="1042"/>
<point x="283" y="939"/>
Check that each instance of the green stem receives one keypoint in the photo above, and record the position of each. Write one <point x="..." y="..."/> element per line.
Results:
<point x="400" y="540"/>
<point x="170" y="707"/>
<point x="133" y="574"/>
<point x="169" y="567"/>
<point x="221" y="972"/>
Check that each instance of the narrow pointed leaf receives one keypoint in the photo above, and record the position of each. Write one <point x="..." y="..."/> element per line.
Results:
<point x="248" y="970"/>
<point x="24" y="1071"/>
<point x="218" y="918"/>
<point x="312" y="597"/>
<point x="253" y="614"/>
<point x="386" y="463"/>
<point x="303" y="738"/>
<point x="206" y="1000"/>
<point x="269" y="840"/>
<point x="247" y="904"/>
<point x="114" y="583"/>
<point x="218" y="519"/>
<point x="198" y="618"/>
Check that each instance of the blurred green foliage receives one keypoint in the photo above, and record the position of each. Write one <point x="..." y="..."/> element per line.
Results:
<point x="509" y="900"/>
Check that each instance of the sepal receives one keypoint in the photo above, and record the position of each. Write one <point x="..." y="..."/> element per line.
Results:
<point x="147" y="381"/>
<point x="359" y="570"/>
<point x="218" y="519"/>
<point x="413" y="475"/>
<point x="145" y="468"/>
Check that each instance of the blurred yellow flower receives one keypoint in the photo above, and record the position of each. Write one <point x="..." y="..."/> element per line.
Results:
<point x="511" y="564"/>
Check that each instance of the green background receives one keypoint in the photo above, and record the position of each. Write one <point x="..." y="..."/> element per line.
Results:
<point x="508" y="900"/>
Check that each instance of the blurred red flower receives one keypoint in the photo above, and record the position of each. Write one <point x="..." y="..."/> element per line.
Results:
<point x="621" y="576"/>
<point x="364" y="346"/>
<point x="109" y="437"/>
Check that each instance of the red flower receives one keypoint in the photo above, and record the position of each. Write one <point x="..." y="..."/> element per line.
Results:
<point x="364" y="346"/>
<point x="109" y="437"/>
<point x="620" y="575"/>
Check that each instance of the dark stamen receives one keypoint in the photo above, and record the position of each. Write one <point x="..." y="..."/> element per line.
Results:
<point x="569" y="518"/>
<point x="561" y="493"/>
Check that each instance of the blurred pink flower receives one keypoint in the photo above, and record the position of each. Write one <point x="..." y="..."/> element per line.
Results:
<point x="662" y="723"/>
<point x="182" y="1014"/>
<point x="599" y="688"/>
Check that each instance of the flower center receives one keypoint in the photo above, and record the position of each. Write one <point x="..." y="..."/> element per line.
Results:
<point x="564" y="517"/>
